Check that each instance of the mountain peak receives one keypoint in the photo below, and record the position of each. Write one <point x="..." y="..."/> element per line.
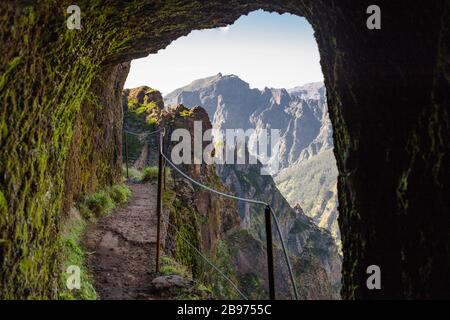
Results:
<point x="313" y="90"/>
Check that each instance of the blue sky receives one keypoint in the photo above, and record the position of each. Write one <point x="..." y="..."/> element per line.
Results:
<point x="264" y="49"/>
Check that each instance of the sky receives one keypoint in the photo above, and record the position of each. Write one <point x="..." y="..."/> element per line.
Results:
<point x="263" y="49"/>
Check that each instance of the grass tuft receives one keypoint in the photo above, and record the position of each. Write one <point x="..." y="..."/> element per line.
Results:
<point x="100" y="203"/>
<point x="150" y="174"/>
<point x="120" y="194"/>
<point x="74" y="255"/>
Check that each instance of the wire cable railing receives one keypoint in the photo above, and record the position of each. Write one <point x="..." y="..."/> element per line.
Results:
<point x="267" y="205"/>
<point x="142" y="134"/>
<point x="208" y="261"/>
<point x="270" y="213"/>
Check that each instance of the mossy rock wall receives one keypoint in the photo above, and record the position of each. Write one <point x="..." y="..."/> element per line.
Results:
<point x="95" y="155"/>
<point x="46" y="73"/>
<point x="388" y="96"/>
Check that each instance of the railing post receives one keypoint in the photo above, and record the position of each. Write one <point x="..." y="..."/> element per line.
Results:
<point x="164" y="174"/>
<point x="126" y="151"/>
<point x="164" y="163"/>
<point x="159" y="202"/>
<point x="269" y="247"/>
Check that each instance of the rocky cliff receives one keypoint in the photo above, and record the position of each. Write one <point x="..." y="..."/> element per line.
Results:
<point x="237" y="245"/>
<point x="216" y="226"/>
<point x="393" y="178"/>
<point x="312" y="185"/>
<point x="142" y="108"/>
<point x="302" y="235"/>
<point x="301" y="115"/>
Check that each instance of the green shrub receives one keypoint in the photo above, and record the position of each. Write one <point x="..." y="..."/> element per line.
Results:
<point x="170" y="267"/>
<point x="100" y="203"/>
<point x="133" y="174"/>
<point x="150" y="174"/>
<point x="120" y="194"/>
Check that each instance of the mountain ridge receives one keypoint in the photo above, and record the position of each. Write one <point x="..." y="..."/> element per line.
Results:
<point x="301" y="115"/>
<point x="234" y="236"/>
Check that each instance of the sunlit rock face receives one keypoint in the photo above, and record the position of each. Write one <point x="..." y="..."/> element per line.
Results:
<point x="387" y="96"/>
<point x="240" y="246"/>
<point x="300" y="116"/>
<point x="306" y="174"/>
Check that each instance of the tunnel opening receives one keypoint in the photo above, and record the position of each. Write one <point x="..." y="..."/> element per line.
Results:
<point x="371" y="215"/>
<point x="388" y="103"/>
<point x="210" y="68"/>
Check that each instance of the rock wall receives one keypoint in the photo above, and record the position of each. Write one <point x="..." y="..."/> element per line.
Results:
<point x="141" y="107"/>
<point x="388" y="97"/>
<point x="46" y="73"/>
<point x="95" y="155"/>
<point x="213" y="224"/>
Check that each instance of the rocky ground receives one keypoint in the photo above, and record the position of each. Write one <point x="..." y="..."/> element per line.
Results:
<point x="121" y="251"/>
<point x="122" y="246"/>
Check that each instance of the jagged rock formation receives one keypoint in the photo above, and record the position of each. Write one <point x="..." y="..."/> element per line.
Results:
<point x="303" y="237"/>
<point x="141" y="108"/>
<point x="392" y="184"/>
<point x="302" y="119"/>
<point x="314" y="90"/>
<point x="306" y="175"/>
<point x="312" y="184"/>
<point x="213" y="224"/>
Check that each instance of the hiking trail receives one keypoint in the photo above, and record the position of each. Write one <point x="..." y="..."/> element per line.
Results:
<point x="121" y="247"/>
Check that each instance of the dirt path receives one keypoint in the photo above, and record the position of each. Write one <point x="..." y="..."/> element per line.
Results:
<point x="121" y="247"/>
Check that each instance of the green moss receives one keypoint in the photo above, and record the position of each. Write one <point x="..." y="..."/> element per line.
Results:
<point x="74" y="255"/>
<point x="187" y="221"/>
<point x="73" y="252"/>
<point x="140" y="115"/>
<point x="186" y="113"/>
<point x="152" y="120"/>
<point x="13" y="63"/>
<point x="171" y="267"/>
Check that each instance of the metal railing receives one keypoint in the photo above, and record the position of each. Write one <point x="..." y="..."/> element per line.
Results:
<point x="269" y="214"/>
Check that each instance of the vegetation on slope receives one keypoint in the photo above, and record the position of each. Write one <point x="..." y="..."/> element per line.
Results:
<point x="312" y="184"/>
<point x="86" y="211"/>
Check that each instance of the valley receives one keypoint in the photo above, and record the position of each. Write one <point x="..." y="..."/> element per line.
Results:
<point x="308" y="172"/>
<point x="316" y="259"/>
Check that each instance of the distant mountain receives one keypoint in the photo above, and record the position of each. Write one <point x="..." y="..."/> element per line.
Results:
<point x="314" y="90"/>
<point x="300" y="113"/>
<point x="302" y="235"/>
<point x="304" y="125"/>
<point x="312" y="185"/>
<point x="231" y="232"/>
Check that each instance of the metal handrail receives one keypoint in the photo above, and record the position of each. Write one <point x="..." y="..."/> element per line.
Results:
<point x="288" y="262"/>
